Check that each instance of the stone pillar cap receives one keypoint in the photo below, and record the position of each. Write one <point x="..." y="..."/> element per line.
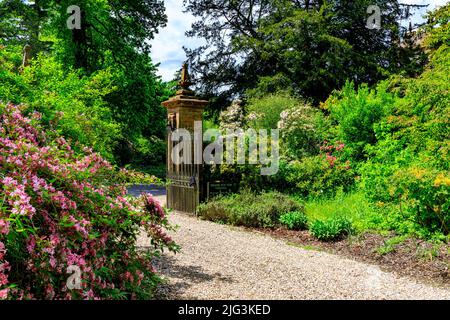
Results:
<point x="185" y="97"/>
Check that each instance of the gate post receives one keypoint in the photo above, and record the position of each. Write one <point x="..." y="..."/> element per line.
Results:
<point x="185" y="180"/>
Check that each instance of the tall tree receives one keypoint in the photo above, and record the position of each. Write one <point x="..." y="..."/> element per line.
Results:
<point x="114" y="34"/>
<point x="21" y="23"/>
<point x="118" y="28"/>
<point x="309" y="47"/>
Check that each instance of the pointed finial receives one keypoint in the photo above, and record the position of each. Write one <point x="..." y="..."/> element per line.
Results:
<point x="185" y="81"/>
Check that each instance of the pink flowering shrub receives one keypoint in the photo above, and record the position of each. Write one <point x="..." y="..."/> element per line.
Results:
<point x="333" y="154"/>
<point x="321" y="175"/>
<point x="59" y="209"/>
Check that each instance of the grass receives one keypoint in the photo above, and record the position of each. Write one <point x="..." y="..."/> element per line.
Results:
<point x="352" y="206"/>
<point x="327" y="218"/>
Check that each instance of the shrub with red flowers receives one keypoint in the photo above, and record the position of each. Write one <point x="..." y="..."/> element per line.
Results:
<point x="61" y="209"/>
<point x="322" y="174"/>
<point x="333" y="152"/>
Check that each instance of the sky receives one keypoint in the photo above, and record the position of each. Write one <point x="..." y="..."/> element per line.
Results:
<point x="167" y="47"/>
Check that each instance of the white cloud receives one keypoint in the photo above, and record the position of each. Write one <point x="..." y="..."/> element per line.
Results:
<point x="432" y="3"/>
<point x="167" y="47"/>
<point x="417" y="17"/>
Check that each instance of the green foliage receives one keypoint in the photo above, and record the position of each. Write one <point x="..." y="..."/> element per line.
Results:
<point x="115" y="36"/>
<point x="75" y="101"/>
<point x="313" y="176"/>
<point x="402" y="131"/>
<point x="20" y="24"/>
<point x="137" y="101"/>
<point x="249" y="209"/>
<point x="331" y="229"/>
<point x="308" y="54"/>
<point x="354" y="206"/>
<point x="320" y="175"/>
<point x="426" y="196"/>
<point x="150" y="151"/>
<point x="302" y="129"/>
<point x="356" y="113"/>
<point x="111" y="30"/>
<point x="438" y="31"/>
<point x="388" y="144"/>
<point x="208" y="124"/>
<point x="270" y="84"/>
<point x="265" y="112"/>
<point x="112" y="50"/>
<point x="294" y="220"/>
<point x="308" y="48"/>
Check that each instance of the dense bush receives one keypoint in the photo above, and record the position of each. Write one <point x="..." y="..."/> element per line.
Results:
<point x="398" y="138"/>
<point x="305" y="167"/>
<point x="265" y="112"/>
<point x="60" y="209"/>
<point x="356" y="113"/>
<point x="249" y="209"/>
<point x="86" y="106"/>
<point x="331" y="229"/>
<point x="425" y="195"/>
<point x="75" y="101"/>
<point x="294" y="220"/>
<point x="150" y="150"/>
<point x="302" y="130"/>
<point x="320" y="175"/>
<point x="412" y="192"/>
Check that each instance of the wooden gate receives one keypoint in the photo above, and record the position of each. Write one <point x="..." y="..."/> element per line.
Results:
<point x="184" y="183"/>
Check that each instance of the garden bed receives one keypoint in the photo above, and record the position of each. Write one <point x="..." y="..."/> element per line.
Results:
<point x="344" y="225"/>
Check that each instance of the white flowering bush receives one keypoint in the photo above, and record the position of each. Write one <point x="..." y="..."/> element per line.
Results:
<point x="233" y="117"/>
<point x="300" y="131"/>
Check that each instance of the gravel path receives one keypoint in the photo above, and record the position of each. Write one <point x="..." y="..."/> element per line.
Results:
<point x="223" y="262"/>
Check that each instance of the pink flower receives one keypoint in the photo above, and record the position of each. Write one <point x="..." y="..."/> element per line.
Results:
<point x="45" y="182"/>
<point x="8" y="181"/>
<point x="52" y="262"/>
<point x="3" y="294"/>
<point x="89" y="295"/>
<point x="3" y="279"/>
<point x="4" y="226"/>
<point x="2" y="248"/>
<point x="75" y="259"/>
<point x="4" y="267"/>
<point x="31" y="244"/>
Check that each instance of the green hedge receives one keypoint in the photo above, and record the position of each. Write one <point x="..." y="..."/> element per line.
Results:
<point x="249" y="209"/>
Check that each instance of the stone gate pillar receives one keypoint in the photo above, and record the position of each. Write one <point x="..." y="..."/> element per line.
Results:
<point x="184" y="190"/>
